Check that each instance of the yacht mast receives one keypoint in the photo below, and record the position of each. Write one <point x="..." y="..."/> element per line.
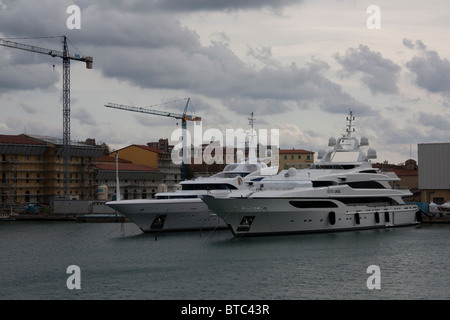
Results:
<point x="252" y="143"/>
<point x="350" y="128"/>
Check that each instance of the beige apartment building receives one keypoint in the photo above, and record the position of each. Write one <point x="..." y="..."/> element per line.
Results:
<point x="295" y="158"/>
<point x="32" y="170"/>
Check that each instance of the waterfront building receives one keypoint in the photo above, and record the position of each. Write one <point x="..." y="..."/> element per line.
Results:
<point x="408" y="174"/>
<point x="32" y="170"/>
<point x="136" y="181"/>
<point x="295" y="158"/>
<point x="434" y="172"/>
<point x="156" y="165"/>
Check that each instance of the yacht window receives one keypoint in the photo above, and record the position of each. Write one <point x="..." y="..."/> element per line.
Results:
<point x="368" y="171"/>
<point x="313" y="204"/>
<point x="369" y="201"/>
<point x="208" y="186"/>
<point x="334" y="166"/>
<point x="235" y="174"/>
<point x="365" y="185"/>
<point x="177" y="197"/>
<point x="317" y="184"/>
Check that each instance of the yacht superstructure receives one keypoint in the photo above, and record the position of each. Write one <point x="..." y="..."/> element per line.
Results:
<point x="341" y="192"/>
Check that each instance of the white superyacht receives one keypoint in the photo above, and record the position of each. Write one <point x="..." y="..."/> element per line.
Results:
<point x="336" y="194"/>
<point x="184" y="210"/>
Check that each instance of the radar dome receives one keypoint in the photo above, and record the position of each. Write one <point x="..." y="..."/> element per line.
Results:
<point x="371" y="154"/>
<point x="320" y="154"/>
<point x="331" y="142"/>
<point x="364" y="141"/>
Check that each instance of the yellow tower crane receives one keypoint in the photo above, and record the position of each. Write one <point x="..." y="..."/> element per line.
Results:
<point x="184" y="117"/>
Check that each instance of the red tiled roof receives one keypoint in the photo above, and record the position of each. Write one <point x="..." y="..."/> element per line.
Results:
<point x="294" y="151"/>
<point x="111" y="159"/>
<point x="140" y="146"/>
<point x="124" y="167"/>
<point x="19" y="139"/>
<point x="148" y="148"/>
<point x="398" y="171"/>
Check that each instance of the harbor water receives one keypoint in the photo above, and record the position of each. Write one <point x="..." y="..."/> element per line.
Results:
<point x="118" y="261"/>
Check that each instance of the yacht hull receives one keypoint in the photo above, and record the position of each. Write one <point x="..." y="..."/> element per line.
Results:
<point x="169" y="215"/>
<point x="256" y="217"/>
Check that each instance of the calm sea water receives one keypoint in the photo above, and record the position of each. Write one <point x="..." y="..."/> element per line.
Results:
<point x="118" y="261"/>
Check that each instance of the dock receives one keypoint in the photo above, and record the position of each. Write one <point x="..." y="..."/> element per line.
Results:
<point x="435" y="219"/>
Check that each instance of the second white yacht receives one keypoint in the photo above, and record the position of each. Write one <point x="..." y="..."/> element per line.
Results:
<point x="184" y="210"/>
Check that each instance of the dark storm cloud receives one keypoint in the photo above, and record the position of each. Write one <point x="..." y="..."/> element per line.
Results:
<point x="216" y="72"/>
<point x="433" y="120"/>
<point x="16" y="77"/>
<point x="154" y="50"/>
<point x="431" y="71"/>
<point x="379" y="74"/>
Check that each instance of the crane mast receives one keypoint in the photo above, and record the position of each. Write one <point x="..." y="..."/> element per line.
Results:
<point x="184" y="117"/>
<point x="66" y="57"/>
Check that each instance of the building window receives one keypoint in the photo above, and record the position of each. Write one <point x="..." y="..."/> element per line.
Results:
<point x="27" y="180"/>
<point x="285" y="157"/>
<point x="308" y="157"/>
<point x="27" y="196"/>
<point x="144" y="194"/>
<point x="299" y="157"/>
<point x="38" y="176"/>
<point x="292" y="157"/>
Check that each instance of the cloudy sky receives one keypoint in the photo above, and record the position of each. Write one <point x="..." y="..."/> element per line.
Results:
<point x="298" y="65"/>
